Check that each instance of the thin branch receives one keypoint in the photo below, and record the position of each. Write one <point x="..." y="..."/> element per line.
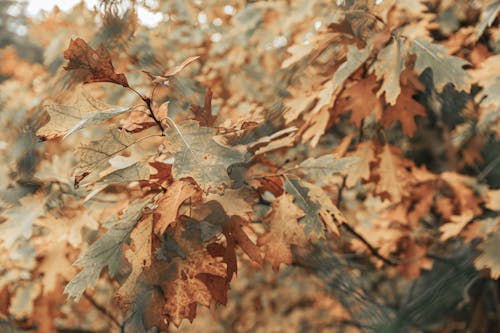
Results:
<point x="370" y="247"/>
<point x="152" y="114"/>
<point x="102" y="309"/>
<point x="490" y="167"/>
<point x="353" y="232"/>
<point x="341" y="189"/>
<point x="147" y="101"/>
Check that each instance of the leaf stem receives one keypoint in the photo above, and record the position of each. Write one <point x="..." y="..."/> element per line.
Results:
<point x="147" y="101"/>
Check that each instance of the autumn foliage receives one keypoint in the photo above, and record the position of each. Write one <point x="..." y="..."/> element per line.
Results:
<point x="352" y="146"/>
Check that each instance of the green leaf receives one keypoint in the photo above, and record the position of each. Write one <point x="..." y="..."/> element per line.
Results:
<point x="66" y="119"/>
<point x="198" y="155"/>
<point x="324" y="166"/>
<point x="311" y="222"/>
<point x="391" y="61"/>
<point x="487" y="17"/>
<point x="105" y="252"/>
<point x="445" y="68"/>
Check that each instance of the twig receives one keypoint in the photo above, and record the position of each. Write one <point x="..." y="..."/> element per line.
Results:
<point x="486" y="171"/>
<point x="341" y="189"/>
<point x="370" y="247"/>
<point x="353" y="232"/>
<point x="150" y="109"/>
<point x="102" y="309"/>
<point x="152" y="114"/>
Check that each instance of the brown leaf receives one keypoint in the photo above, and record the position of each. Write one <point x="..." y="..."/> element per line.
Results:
<point x="361" y="169"/>
<point x="453" y="228"/>
<point x="139" y="257"/>
<point x="235" y="233"/>
<point x="361" y="99"/>
<point x="204" y="114"/>
<point x="284" y="231"/>
<point x="391" y="171"/>
<point x="94" y="65"/>
<point x="165" y="77"/>
<point x="404" y="111"/>
<point x="195" y="280"/>
<point x="168" y="206"/>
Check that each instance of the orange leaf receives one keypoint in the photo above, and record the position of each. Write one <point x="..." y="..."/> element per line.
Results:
<point x="284" y="230"/>
<point x="168" y="206"/>
<point x="404" y="111"/>
<point x="390" y="171"/>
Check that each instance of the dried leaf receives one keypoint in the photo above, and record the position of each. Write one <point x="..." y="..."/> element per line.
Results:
<point x="105" y="252"/>
<point x="445" y="68"/>
<point x="391" y="61"/>
<point x="489" y="258"/>
<point x="361" y="170"/>
<point x="95" y="157"/>
<point x="94" y="65"/>
<point x="311" y="221"/>
<point x="20" y="219"/>
<point x="168" y="205"/>
<point x="326" y="165"/>
<point x="140" y="257"/>
<point x="405" y="110"/>
<point x="165" y="77"/>
<point x="66" y="119"/>
<point x="488" y="16"/>
<point x="389" y="172"/>
<point x="284" y="231"/>
<point x="355" y="58"/>
<point x="199" y="156"/>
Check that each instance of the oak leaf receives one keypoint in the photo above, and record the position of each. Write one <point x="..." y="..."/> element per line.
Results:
<point x="445" y="68"/>
<point x="95" y="156"/>
<point x="198" y="155"/>
<point x="361" y="99"/>
<point x="365" y="152"/>
<point x="404" y="111"/>
<point x="284" y="231"/>
<point x="355" y="58"/>
<point x="199" y="278"/>
<point x="489" y="258"/>
<point x="87" y="111"/>
<point x="93" y="65"/>
<point x="326" y="165"/>
<point x="169" y="204"/>
<point x="456" y="225"/>
<point x="105" y="252"/>
<point x="20" y="219"/>
<point x="311" y="221"/>
<point x="391" y="61"/>
<point x="391" y="172"/>
<point x="165" y="77"/>
<point x="235" y="202"/>
<point x="139" y="257"/>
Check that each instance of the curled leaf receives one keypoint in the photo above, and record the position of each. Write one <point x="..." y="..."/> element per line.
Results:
<point x="94" y="65"/>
